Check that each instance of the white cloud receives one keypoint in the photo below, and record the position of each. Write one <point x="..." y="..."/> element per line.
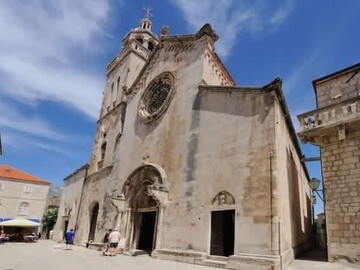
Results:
<point x="282" y="13"/>
<point x="230" y="18"/>
<point x="302" y="73"/>
<point x="22" y="142"/>
<point x="46" y="51"/>
<point x="10" y="118"/>
<point x="42" y="48"/>
<point x="297" y="85"/>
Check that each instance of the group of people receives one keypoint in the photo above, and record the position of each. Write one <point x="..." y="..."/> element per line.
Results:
<point x="19" y="237"/>
<point x="111" y="241"/>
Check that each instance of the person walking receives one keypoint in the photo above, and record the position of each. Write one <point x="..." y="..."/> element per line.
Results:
<point x="106" y="242"/>
<point x="69" y="239"/>
<point x="114" y="239"/>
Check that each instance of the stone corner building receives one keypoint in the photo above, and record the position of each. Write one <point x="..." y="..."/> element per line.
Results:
<point x="22" y="199"/>
<point x="189" y="166"/>
<point x="335" y="127"/>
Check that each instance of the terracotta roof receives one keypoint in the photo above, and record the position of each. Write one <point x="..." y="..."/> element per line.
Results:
<point x="7" y="172"/>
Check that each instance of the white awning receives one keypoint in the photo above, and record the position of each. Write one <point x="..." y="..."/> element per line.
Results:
<point x="19" y="223"/>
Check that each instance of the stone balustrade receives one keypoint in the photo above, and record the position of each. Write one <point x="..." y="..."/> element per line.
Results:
<point x="340" y="113"/>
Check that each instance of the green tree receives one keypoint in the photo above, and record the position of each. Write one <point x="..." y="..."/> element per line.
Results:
<point x="49" y="219"/>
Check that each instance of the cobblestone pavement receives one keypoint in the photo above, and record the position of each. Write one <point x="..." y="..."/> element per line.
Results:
<point x="48" y="255"/>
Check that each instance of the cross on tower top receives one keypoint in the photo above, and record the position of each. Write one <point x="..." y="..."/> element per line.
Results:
<point x="148" y="13"/>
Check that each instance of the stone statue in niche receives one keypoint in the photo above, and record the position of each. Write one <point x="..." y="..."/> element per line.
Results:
<point x="223" y="198"/>
<point x="68" y="210"/>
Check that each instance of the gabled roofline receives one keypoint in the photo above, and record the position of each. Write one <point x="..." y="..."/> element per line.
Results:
<point x="218" y="59"/>
<point x="44" y="183"/>
<point x="205" y="30"/>
<point x="31" y="178"/>
<point x="83" y="167"/>
<point x="276" y="86"/>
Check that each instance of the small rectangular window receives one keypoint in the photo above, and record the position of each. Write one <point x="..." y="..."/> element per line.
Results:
<point x="28" y="189"/>
<point x="23" y="208"/>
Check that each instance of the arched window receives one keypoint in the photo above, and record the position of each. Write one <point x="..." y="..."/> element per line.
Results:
<point x="112" y="87"/>
<point x="139" y="40"/>
<point x="103" y="150"/>
<point x="150" y="46"/>
<point x="23" y="208"/>
<point x="118" y="84"/>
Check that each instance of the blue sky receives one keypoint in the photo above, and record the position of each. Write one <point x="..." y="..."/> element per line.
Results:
<point x="53" y="56"/>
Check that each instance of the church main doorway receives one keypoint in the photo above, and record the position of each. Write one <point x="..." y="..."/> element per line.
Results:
<point x="222" y="233"/>
<point x="145" y="193"/>
<point x="147" y="231"/>
<point x="93" y="221"/>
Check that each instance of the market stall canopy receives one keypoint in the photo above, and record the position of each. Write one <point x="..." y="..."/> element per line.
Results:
<point x="19" y="223"/>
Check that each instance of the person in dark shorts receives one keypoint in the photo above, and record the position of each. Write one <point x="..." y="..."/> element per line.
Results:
<point x="69" y="239"/>
<point x="114" y="239"/>
<point x="106" y="242"/>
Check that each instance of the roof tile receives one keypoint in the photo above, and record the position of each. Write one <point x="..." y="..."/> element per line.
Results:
<point x="7" y="172"/>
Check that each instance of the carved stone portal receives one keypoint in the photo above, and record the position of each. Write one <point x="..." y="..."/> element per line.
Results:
<point x="145" y="195"/>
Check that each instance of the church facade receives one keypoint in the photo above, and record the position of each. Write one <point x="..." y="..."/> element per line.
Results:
<point x="189" y="166"/>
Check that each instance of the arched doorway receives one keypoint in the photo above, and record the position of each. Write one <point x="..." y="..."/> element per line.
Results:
<point x="222" y="242"/>
<point x="93" y="221"/>
<point x="145" y="193"/>
<point x="144" y="214"/>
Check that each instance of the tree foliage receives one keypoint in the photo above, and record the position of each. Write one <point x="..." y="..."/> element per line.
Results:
<point x="50" y="218"/>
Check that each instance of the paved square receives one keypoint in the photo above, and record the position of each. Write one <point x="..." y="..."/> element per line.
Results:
<point x="47" y="254"/>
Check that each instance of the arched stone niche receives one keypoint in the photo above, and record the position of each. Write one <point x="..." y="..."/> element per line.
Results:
<point x="145" y="190"/>
<point x="149" y="180"/>
<point x="223" y="198"/>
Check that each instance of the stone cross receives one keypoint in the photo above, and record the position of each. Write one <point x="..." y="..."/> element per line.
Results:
<point x="148" y="12"/>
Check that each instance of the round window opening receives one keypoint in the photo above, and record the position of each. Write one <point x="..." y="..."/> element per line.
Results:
<point x="156" y="97"/>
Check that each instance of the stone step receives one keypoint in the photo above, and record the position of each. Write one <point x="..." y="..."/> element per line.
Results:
<point x="218" y="258"/>
<point x="212" y="263"/>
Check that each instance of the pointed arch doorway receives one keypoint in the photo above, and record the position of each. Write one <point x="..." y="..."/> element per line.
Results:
<point x="145" y="193"/>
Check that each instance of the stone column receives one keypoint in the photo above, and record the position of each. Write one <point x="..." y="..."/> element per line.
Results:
<point x="159" y="226"/>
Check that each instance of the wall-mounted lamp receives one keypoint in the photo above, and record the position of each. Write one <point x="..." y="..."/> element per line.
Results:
<point x="314" y="185"/>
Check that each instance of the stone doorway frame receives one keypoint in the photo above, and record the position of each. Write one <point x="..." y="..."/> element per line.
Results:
<point x="222" y="201"/>
<point x="155" y="179"/>
<point x="92" y="208"/>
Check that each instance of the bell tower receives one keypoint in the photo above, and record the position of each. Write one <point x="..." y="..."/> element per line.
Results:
<point x="137" y="46"/>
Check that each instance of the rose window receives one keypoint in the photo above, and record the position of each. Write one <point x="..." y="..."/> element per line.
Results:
<point x="156" y="97"/>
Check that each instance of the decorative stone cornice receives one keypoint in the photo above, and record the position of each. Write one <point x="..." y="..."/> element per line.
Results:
<point x="330" y="119"/>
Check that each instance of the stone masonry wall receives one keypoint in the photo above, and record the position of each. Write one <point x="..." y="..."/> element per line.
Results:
<point x="341" y="174"/>
<point x="338" y="89"/>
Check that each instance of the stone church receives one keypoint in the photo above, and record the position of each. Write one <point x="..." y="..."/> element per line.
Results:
<point x="188" y="165"/>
